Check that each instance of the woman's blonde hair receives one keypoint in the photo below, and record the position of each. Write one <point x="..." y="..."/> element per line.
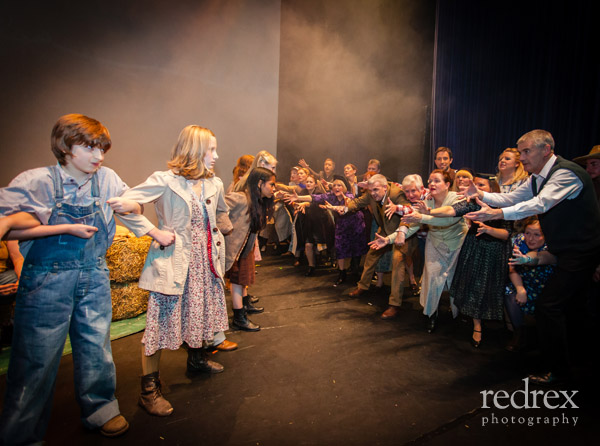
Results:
<point x="520" y="172"/>
<point x="187" y="155"/>
<point x="341" y="183"/>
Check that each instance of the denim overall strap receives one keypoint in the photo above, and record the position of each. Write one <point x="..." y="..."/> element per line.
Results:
<point x="66" y="251"/>
<point x="64" y="289"/>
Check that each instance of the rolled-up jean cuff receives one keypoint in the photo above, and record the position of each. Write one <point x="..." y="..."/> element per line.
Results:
<point x="219" y="338"/>
<point x="102" y="415"/>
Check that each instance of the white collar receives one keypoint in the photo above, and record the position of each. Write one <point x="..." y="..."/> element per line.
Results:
<point x="546" y="169"/>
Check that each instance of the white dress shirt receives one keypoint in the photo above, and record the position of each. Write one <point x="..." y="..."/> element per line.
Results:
<point x="521" y="202"/>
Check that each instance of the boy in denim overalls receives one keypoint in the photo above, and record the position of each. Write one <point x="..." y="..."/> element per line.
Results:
<point x="64" y="287"/>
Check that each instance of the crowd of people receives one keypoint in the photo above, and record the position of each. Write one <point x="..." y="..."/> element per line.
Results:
<point x="522" y="241"/>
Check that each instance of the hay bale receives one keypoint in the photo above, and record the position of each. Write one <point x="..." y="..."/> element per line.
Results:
<point x="128" y="300"/>
<point x="125" y="258"/>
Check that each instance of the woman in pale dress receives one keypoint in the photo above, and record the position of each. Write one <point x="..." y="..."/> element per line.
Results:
<point x="444" y="240"/>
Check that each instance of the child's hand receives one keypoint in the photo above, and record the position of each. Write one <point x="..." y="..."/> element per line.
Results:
<point x="162" y="237"/>
<point x="81" y="231"/>
<point x="521" y="296"/>
<point x="122" y="205"/>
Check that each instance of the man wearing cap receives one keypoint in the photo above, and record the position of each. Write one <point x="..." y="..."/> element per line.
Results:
<point x="591" y="163"/>
<point x="561" y="193"/>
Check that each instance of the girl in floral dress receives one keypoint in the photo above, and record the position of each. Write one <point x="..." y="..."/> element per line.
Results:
<point x="185" y="265"/>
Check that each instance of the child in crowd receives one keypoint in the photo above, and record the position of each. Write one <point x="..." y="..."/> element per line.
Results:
<point x="527" y="279"/>
<point x="184" y="268"/>
<point x="52" y="301"/>
<point x="248" y="211"/>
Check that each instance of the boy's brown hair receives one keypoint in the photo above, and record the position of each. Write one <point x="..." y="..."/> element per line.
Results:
<point x="73" y="129"/>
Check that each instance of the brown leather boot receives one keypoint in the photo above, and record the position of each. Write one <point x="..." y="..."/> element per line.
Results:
<point x="151" y="397"/>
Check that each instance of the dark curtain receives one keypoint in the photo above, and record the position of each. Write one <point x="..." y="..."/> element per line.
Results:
<point x="504" y="68"/>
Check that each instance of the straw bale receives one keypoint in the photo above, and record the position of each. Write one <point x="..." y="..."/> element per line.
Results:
<point x="125" y="258"/>
<point x="128" y="300"/>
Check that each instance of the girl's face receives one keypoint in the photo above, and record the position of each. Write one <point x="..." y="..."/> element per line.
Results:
<point x="462" y="182"/>
<point x="267" y="188"/>
<point x="349" y="172"/>
<point x="211" y="156"/>
<point x="337" y="188"/>
<point x="267" y="165"/>
<point x="507" y="162"/>
<point x="482" y="184"/>
<point x="437" y="186"/>
<point x="310" y="183"/>
<point x="534" y="237"/>
<point x="302" y="176"/>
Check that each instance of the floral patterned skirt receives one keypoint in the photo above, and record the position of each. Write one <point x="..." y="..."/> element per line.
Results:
<point x="197" y="314"/>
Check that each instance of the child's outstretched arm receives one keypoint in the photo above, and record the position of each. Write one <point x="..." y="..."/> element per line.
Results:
<point x="20" y="220"/>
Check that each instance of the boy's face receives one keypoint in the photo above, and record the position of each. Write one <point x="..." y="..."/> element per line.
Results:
<point x="86" y="159"/>
<point x="328" y="167"/>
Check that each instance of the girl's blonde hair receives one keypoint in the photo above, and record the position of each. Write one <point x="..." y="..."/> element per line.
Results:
<point x="263" y="158"/>
<point x="187" y="155"/>
<point x="520" y="172"/>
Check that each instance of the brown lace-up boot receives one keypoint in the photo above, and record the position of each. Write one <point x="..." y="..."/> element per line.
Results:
<point x="151" y="398"/>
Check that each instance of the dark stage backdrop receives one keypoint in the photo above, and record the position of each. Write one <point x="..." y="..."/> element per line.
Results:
<point x="504" y="68"/>
<point x="355" y="83"/>
<point x="146" y="69"/>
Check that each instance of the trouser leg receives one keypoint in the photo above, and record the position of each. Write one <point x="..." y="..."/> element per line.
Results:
<point x="42" y="316"/>
<point x="371" y="260"/>
<point x="95" y="376"/>
<point x="398" y="275"/>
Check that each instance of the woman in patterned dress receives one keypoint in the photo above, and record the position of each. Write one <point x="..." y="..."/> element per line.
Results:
<point x="185" y="265"/>
<point x="350" y="236"/>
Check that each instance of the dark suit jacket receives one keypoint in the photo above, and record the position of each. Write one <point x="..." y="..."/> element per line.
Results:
<point x="386" y="227"/>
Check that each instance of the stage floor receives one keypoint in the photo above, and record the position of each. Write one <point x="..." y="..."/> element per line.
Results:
<point x="326" y="370"/>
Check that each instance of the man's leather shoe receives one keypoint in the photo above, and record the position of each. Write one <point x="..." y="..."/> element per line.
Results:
<point x="226" y="346"/>
<point x="391" y="312"/>
<point x="545" y="379"/>
<point x="115" y="426"/>
<point x="357" y="292"/>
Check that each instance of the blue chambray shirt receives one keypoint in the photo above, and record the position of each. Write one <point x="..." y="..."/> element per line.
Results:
<point x="32" y="191"/>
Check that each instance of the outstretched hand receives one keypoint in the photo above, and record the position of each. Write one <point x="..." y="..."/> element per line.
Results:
<point x="485" y="213"/>
<point x="290" y="198"/>
<point x="471" y="192"/>
<point x="378" y="242"/>
<point x="421" y="207"/>
<point x="390" y="209"/>
<point x="414" y="217"/>
<point x="303" y="163"/>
